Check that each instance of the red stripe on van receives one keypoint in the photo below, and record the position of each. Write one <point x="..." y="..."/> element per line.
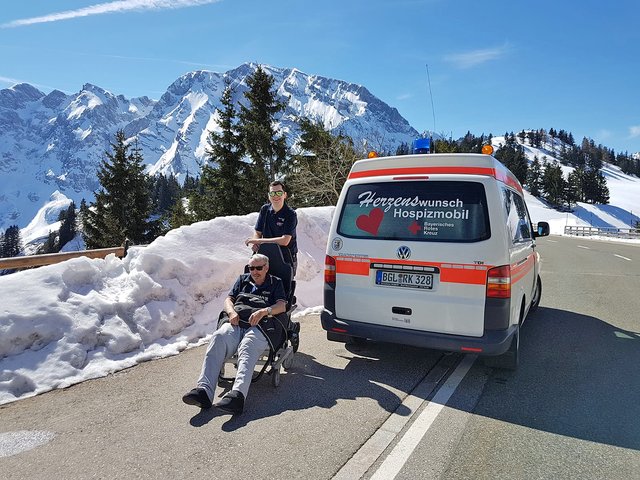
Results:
<point x="350" y="266"/>
<point x="449" y="273"/>
<point x="457" y="275"/>
<point x="519" y="271"/>
<point x="506" y="177"/>
<point x="501" y="175"/>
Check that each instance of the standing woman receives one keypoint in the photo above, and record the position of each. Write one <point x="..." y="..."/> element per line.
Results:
<point x="277" y="223"/>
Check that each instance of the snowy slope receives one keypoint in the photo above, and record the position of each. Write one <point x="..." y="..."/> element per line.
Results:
<point x="622" y="211"/>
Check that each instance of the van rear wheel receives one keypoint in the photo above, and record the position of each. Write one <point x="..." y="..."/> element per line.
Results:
<point x="510" y="359"/>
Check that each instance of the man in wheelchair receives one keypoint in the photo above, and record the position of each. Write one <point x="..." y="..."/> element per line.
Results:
<point x="248" y="325"/>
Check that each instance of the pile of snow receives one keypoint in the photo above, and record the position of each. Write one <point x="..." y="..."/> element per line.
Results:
<point x="84" y="318"/>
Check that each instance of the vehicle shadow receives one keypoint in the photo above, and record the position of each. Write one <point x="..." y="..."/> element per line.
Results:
<point x="578" y="377"/>
<point x="372" y="370"/>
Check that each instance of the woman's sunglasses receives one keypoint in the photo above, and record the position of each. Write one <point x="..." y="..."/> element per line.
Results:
<point x="277" y="193"/>
<point x="257" y="267"/>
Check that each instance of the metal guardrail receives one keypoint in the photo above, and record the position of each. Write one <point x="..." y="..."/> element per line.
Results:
<point x="603" y="232"/>
<point x="51" y="258"/>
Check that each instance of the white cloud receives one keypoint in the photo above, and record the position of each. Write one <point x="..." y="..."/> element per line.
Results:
<point x="109" y="7"/>
<point x="10" y="81"/>
<point x="14" y="81"/>
<point x="476" y="57"/>
<point x="604" y="134"/>
<point x="634" y="131"/>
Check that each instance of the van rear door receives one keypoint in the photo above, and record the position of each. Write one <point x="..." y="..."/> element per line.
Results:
<point x="415" y="253"/>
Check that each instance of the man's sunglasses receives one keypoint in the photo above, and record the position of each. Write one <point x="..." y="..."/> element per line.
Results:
<point x="257" y="267"/>
<point x="277" y="193"/>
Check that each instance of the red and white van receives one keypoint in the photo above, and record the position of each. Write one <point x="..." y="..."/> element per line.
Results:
<point x="435" y="251"/>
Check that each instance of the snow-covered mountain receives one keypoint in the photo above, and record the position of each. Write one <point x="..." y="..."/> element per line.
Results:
<point x="55" y="142"/>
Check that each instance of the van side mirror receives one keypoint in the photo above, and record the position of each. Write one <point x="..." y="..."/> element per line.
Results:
<point x="542" y="230"/>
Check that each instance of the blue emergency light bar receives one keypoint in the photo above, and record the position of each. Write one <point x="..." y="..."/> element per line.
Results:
<point x="421" y="145"/>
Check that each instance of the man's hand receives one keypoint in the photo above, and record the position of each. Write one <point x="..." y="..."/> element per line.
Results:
<point x="256" y="316"/>
<point x="234" y="319"/>
<point x="254" y="243"/>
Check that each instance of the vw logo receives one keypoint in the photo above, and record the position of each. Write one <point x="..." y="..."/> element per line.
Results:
<point x="403" y="252"/>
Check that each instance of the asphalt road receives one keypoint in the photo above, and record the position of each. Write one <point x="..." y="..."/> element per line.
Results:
<point x="572" y="410"/>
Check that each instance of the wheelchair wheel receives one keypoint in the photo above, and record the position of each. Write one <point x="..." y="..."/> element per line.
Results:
<point x="275" y="377"/>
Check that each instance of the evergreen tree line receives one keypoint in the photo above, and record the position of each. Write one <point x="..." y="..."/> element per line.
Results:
<point x="246" y="153"/>
<point x="545" y="179"/>
<point x="587" y="155"/>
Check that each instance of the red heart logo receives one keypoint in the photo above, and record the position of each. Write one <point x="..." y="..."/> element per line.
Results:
<point x="370" y="223"/>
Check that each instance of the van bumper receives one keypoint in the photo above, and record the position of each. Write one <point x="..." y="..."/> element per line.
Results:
<point x="493" y="342"/>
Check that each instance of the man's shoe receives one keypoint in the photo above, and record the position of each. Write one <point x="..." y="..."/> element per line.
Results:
<point x="232" y="402"/>
<point x="198" y="397"/>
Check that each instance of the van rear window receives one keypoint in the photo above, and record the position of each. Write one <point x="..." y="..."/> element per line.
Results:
<point x="437" y="211"/>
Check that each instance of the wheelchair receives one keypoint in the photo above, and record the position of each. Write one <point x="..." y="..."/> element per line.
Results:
<point x="271" y="361"/>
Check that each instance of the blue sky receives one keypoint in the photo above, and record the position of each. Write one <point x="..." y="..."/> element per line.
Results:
<point x="494" y="66"/>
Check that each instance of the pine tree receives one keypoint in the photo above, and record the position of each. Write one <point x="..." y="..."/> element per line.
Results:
<point x="223" y="185"/>
<point x="190" y="185"/>
<point x="446" y="146"/>
<point x="11" y="243"/>
<point x="603" y="190"/>
<point x="266" y="150"/>
<point x="574" y="191"/>
<point x="68" y="227"/>
<point x="50" y="245"/>
<point x="123" y="204"/>
<point x="595" y="187"/>
<point x="403" y="149"/>
<point x="205" y="200"/>
<point x="166" y="190"/>
<point x="178" y="215"/>
<point x="512" y="156"/>
<point x="553" y="183"/>
<point x="534" y="177"/>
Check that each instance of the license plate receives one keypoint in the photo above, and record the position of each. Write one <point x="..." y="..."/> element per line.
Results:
<point x="404" y="279"/>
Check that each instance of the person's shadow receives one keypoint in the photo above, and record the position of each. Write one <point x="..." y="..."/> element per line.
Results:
<point x="310" y="384"/>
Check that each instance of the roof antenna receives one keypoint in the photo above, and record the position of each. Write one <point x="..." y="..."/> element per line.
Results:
<point x="433" y="110"/>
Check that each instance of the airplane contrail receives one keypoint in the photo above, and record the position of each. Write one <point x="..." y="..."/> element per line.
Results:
<point x="109" y="7"/>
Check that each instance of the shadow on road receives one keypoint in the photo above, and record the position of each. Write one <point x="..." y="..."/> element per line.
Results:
<point x="372" y="371"/>
<point x="578" y="377"/>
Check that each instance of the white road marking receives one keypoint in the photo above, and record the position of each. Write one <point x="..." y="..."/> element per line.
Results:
<point x="13" y="443"/>
<point x="375" y="446"/>
<point x="620" y="256"/>
<point x="582" y="246"/>
<point x="552" y="241"/>
<point x="412" y="437"/>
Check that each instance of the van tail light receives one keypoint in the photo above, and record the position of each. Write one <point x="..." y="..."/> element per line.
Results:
<point x="330" y="270"/>
<point x="499" y="282"/>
